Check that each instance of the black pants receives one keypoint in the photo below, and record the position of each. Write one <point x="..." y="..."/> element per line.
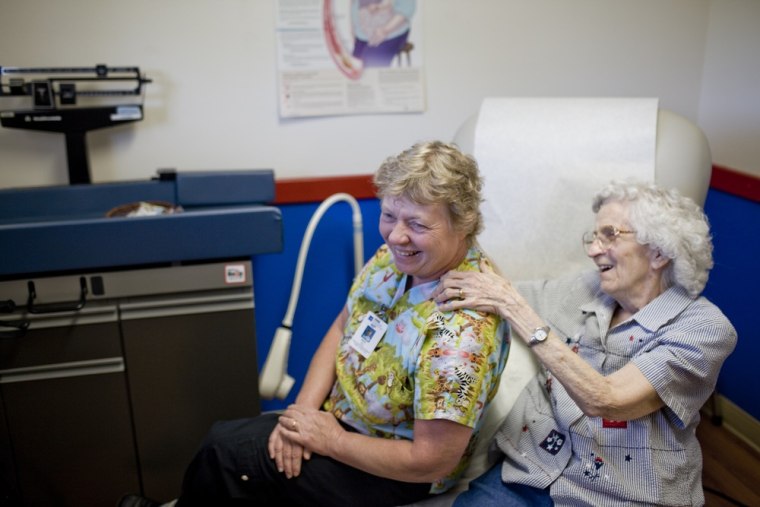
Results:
<point x="233" y="467"/>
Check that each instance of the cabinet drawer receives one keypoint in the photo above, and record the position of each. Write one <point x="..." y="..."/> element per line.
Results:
<point x="91" y="333"/>
<point x="71" y="439"/>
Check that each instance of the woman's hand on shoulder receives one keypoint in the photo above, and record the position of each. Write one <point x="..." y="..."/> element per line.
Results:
<point x="482" y="291"/>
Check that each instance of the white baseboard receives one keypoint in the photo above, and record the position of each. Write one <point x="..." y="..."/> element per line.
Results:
<point x="734" y="419"/>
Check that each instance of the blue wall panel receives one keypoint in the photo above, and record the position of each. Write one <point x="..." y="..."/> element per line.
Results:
<point x="327" y="277"/>
<point x="733" y="286"/>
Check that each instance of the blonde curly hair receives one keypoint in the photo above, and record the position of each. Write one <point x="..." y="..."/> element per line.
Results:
<point x="435" y="172"/>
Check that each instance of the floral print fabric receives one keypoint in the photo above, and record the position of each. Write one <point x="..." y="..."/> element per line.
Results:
<point x="428" y="365"/>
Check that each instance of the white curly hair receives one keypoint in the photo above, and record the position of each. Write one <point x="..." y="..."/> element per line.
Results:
<point x="669" y="222"/>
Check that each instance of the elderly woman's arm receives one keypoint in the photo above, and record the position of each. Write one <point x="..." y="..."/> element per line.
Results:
<point x="422" y="459"/>
<point x="623" y="395"/>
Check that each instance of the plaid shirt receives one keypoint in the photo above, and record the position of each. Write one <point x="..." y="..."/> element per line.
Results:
<point x="678" y="343"/>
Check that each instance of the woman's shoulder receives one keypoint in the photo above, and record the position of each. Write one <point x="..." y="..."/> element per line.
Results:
<point x="707" y="313"/>
<point x="477" y="260"/>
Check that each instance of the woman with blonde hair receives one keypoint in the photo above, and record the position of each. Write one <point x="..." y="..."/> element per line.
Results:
<point x="393" y="400"/>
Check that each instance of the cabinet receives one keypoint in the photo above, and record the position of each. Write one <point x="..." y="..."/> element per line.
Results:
<point x="65" y="404"/>
<point x="114" y="397"/>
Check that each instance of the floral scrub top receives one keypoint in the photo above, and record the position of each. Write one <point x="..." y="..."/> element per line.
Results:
<point x="427" y="365"/>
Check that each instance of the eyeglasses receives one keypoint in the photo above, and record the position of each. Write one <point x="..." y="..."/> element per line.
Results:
<point x="605" y="235"/>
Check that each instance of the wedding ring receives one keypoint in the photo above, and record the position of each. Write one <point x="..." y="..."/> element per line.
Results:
<point x="461" y="294"/>
<point x="293" y="426"/>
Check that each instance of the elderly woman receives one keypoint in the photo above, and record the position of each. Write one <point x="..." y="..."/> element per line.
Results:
<point x="393" y="399"/>
<point x="630" y="353"/>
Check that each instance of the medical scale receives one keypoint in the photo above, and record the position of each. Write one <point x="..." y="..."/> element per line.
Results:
<point x="71" y="101"/>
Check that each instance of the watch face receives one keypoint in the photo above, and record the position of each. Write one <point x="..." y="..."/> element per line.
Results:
<point x="538" y="336"/>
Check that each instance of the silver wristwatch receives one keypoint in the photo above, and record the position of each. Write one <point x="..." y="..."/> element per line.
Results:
<point x="539" y="335"/>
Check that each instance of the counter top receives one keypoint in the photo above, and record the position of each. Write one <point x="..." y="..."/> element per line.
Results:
<point x="64" y="229"/>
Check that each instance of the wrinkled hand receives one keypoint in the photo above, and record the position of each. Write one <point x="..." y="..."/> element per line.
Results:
<point x="482" y="291"/>
<point x="315" y="430"/>
<point x="287" y="453"/>
<point x="487" y="292"/>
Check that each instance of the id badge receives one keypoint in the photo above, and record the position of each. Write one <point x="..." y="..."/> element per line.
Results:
<point x="368" y="334"/>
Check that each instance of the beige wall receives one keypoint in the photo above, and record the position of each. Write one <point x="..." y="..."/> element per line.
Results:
<point x="213" y="100"/>
<point x="729" y="111"/>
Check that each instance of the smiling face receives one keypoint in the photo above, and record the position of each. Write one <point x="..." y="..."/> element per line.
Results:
<point x="421" y="238"/>
<point x="629" y="272"/>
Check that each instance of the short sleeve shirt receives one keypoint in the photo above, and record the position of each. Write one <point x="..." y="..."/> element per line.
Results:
<point x="678" y="343"/>
<point x="428" y="364"/>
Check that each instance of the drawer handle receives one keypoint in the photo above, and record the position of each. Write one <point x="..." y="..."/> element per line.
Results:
<point x="18" y="331"/>
<point x="70" y="306"/>
<point x="63" y="370"/>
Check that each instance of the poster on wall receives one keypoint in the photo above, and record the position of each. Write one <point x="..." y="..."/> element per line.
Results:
<point x="343" y="57"/>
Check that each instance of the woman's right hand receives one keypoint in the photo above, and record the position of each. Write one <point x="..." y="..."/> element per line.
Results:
<point x="487" y="292"/>
<point x="287" y="454"/>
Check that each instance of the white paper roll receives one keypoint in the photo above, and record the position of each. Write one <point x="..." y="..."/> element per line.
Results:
<point x="542" y="160"/>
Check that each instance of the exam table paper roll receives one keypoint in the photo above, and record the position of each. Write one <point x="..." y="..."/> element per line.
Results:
<point x="542" y="160"/>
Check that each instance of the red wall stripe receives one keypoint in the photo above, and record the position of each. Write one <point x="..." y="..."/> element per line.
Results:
<point x="302" y="190"/>
<point x="736" y="183"/>
<point x="306" y="190"/>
